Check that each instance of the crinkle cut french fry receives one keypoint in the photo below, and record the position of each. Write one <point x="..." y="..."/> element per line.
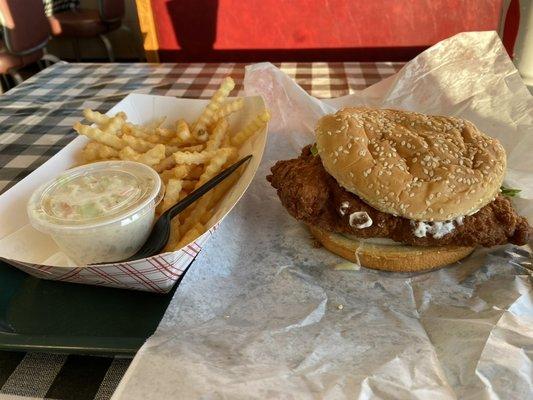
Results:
<point x="166" y="175"/>
<point x="220" y="130"/>
<point x="215" y="165"/>
<point x="226" y="141"/>
<point x="210" y="200"/>
<point x="95" y="117"/>
<point x="154" y="138"/>
<point x="151" y="157"/>
<point x="165" y="164"/>
<point x="172" y="194"/>
<point x="196" y="147"/>
<point x="224" y="186"/>
<point x="202" y="135"/>
<point x="106" y="151"/>
<point x="249" y="130"/>
<point x="228" y="108"/>
<point x="95" y="151"/>
<point x="165" y="133"/>
<point x="173" y="149"/>
<point x="99" y="136"/>
<point x="174" y="235"/>
<point x="188" y="184"/>
<point x="129" y="129"/>
<point x="136" y="143"/>
<point x="170" y="161"/>
<point x="146" y="133"/>
<point x="191" y="235"/>
<point x="91" y="152"/>
<point x="114" y="125"/>
<point x="206" y="118"/>
<point x="182" y="130"/>
<point x="196" y="172"/>
<point x="192" y="216"/>
<point x="184" y="157"/>
<point x="104" y="122"/>
<point x="181" y="171"/>
<point x="178" y="172"/>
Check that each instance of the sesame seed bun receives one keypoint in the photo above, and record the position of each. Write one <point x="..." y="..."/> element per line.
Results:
<point x="420" y="167"/>
<point x="395" y="258"/>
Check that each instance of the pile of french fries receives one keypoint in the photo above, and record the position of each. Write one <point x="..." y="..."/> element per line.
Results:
<point x="185" y="156"/>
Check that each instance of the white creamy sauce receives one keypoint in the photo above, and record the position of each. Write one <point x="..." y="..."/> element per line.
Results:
<point x="360" y="220"/>
<point x="344" y="207"/>
<point x="436" y="229"/>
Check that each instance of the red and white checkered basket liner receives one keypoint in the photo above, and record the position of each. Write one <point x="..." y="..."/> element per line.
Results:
<point x="155" y="274"/>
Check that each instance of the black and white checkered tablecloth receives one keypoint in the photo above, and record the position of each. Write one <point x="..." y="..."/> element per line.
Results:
<point x="36" y="122"/>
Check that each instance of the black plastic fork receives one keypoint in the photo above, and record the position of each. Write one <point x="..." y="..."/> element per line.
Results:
<point x="158" y="238"/>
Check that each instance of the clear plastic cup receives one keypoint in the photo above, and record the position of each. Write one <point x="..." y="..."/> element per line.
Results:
<point x="101" y="212"/>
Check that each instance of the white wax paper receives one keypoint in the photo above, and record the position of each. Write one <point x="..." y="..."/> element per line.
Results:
<point x="262" y="315"/>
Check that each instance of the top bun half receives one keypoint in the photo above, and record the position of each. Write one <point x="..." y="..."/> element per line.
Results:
<point x="420" y="167"/>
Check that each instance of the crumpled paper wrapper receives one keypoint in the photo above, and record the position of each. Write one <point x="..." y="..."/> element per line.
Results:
<point x="263" y="315"/>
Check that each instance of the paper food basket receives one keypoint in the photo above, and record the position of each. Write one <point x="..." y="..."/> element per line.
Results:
<point x="38" y="255"/>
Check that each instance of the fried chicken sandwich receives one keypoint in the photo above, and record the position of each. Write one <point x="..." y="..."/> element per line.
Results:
<point x="400" y="191"/>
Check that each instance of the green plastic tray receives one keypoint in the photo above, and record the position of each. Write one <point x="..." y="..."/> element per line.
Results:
<point x="59" y="317"/>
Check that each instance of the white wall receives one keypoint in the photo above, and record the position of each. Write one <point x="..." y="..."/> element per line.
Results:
<point x="123" y="44"/>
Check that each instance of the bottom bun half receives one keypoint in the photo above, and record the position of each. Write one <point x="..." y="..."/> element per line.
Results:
<point x="395" y="258"/>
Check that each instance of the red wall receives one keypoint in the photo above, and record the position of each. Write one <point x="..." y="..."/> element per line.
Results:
<point x="211" y="30"/>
